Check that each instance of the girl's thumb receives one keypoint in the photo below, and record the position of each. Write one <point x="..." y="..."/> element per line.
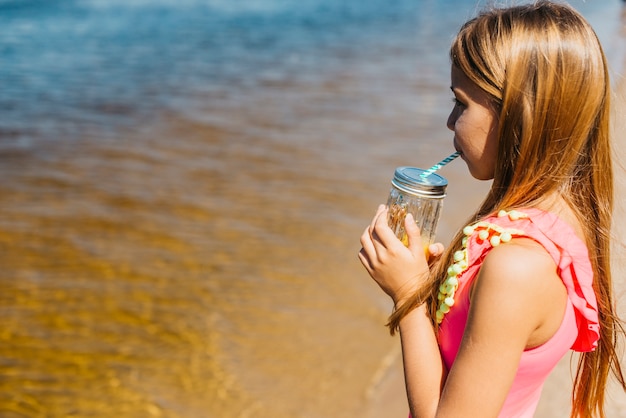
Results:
<point x="414" y="235"/>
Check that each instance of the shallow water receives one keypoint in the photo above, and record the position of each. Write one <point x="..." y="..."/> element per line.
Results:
<point x="184" y="185"/>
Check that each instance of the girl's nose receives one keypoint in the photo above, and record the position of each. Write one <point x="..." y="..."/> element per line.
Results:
<point x="451" y="119"/>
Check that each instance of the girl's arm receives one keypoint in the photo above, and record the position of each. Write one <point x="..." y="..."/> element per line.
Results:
<point x="399" y="271"/>
<point x="517" y="302"/>
<point x="424" y="371"/>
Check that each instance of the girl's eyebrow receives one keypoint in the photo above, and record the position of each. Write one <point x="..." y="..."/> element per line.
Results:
<point x="458" y="92"/>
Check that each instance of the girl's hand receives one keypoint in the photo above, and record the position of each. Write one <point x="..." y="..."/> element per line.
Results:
<point x="397" y="269"/>
<point x="434" y="252"/>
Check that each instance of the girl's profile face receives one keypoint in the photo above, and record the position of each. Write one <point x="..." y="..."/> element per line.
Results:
<point x="475" y="124"/>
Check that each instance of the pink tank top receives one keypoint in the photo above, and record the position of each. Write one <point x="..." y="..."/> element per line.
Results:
<point x="579" y="329"/>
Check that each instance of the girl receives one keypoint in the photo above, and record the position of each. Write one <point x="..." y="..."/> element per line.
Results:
<point x="484" y="323"/>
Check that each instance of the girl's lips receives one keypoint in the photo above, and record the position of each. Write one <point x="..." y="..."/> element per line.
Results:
<point x="455" y="146"/>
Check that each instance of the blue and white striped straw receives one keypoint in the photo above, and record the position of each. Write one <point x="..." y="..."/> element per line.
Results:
<point x="440" y="164"/>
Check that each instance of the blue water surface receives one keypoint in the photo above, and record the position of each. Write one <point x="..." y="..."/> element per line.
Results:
<point x="70" y="67"/>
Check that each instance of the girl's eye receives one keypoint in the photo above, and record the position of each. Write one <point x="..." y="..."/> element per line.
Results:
<point x="456" y="102"/>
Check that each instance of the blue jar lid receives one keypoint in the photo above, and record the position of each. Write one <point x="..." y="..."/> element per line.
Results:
<point x="410" y="180"/>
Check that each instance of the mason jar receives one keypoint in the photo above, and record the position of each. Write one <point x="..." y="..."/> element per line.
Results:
<point x="421" y="196"/>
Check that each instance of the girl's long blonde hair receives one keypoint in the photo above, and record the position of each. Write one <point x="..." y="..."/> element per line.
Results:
<point x="545" y="70"/>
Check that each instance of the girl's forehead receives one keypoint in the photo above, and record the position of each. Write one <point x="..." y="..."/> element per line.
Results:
<point x="458" y="77"/>
<point x="461" y="82"/>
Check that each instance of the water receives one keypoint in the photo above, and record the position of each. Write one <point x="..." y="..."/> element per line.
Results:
<point x="184" y="185"/>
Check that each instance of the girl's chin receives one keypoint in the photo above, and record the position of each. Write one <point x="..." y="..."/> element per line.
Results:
<point x="478" y="174"/>
<point x="482" y="177"/>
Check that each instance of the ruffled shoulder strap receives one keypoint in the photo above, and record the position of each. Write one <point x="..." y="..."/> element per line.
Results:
<point x="567" y="250"/>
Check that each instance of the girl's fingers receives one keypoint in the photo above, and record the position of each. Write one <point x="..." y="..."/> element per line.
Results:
<point x="365" y="261"/>
<point x="366" y="241"/>
<point x="367" y="252"/>
<point x="379" y="211"/>
<point x="414" y="234"/>
<point x="381" y="233"/>
<point x="435" y="250"/>
<point x="371" y="243"/>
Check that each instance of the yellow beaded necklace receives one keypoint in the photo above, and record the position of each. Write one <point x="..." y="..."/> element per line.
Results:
<point x="492" y="233"/>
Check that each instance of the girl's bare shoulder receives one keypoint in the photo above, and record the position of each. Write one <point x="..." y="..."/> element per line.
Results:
<point x="520" y="282"/>
<point x="522" y="265"/>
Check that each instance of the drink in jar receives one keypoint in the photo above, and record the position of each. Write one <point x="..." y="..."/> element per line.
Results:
<point x="422" y="196"/>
